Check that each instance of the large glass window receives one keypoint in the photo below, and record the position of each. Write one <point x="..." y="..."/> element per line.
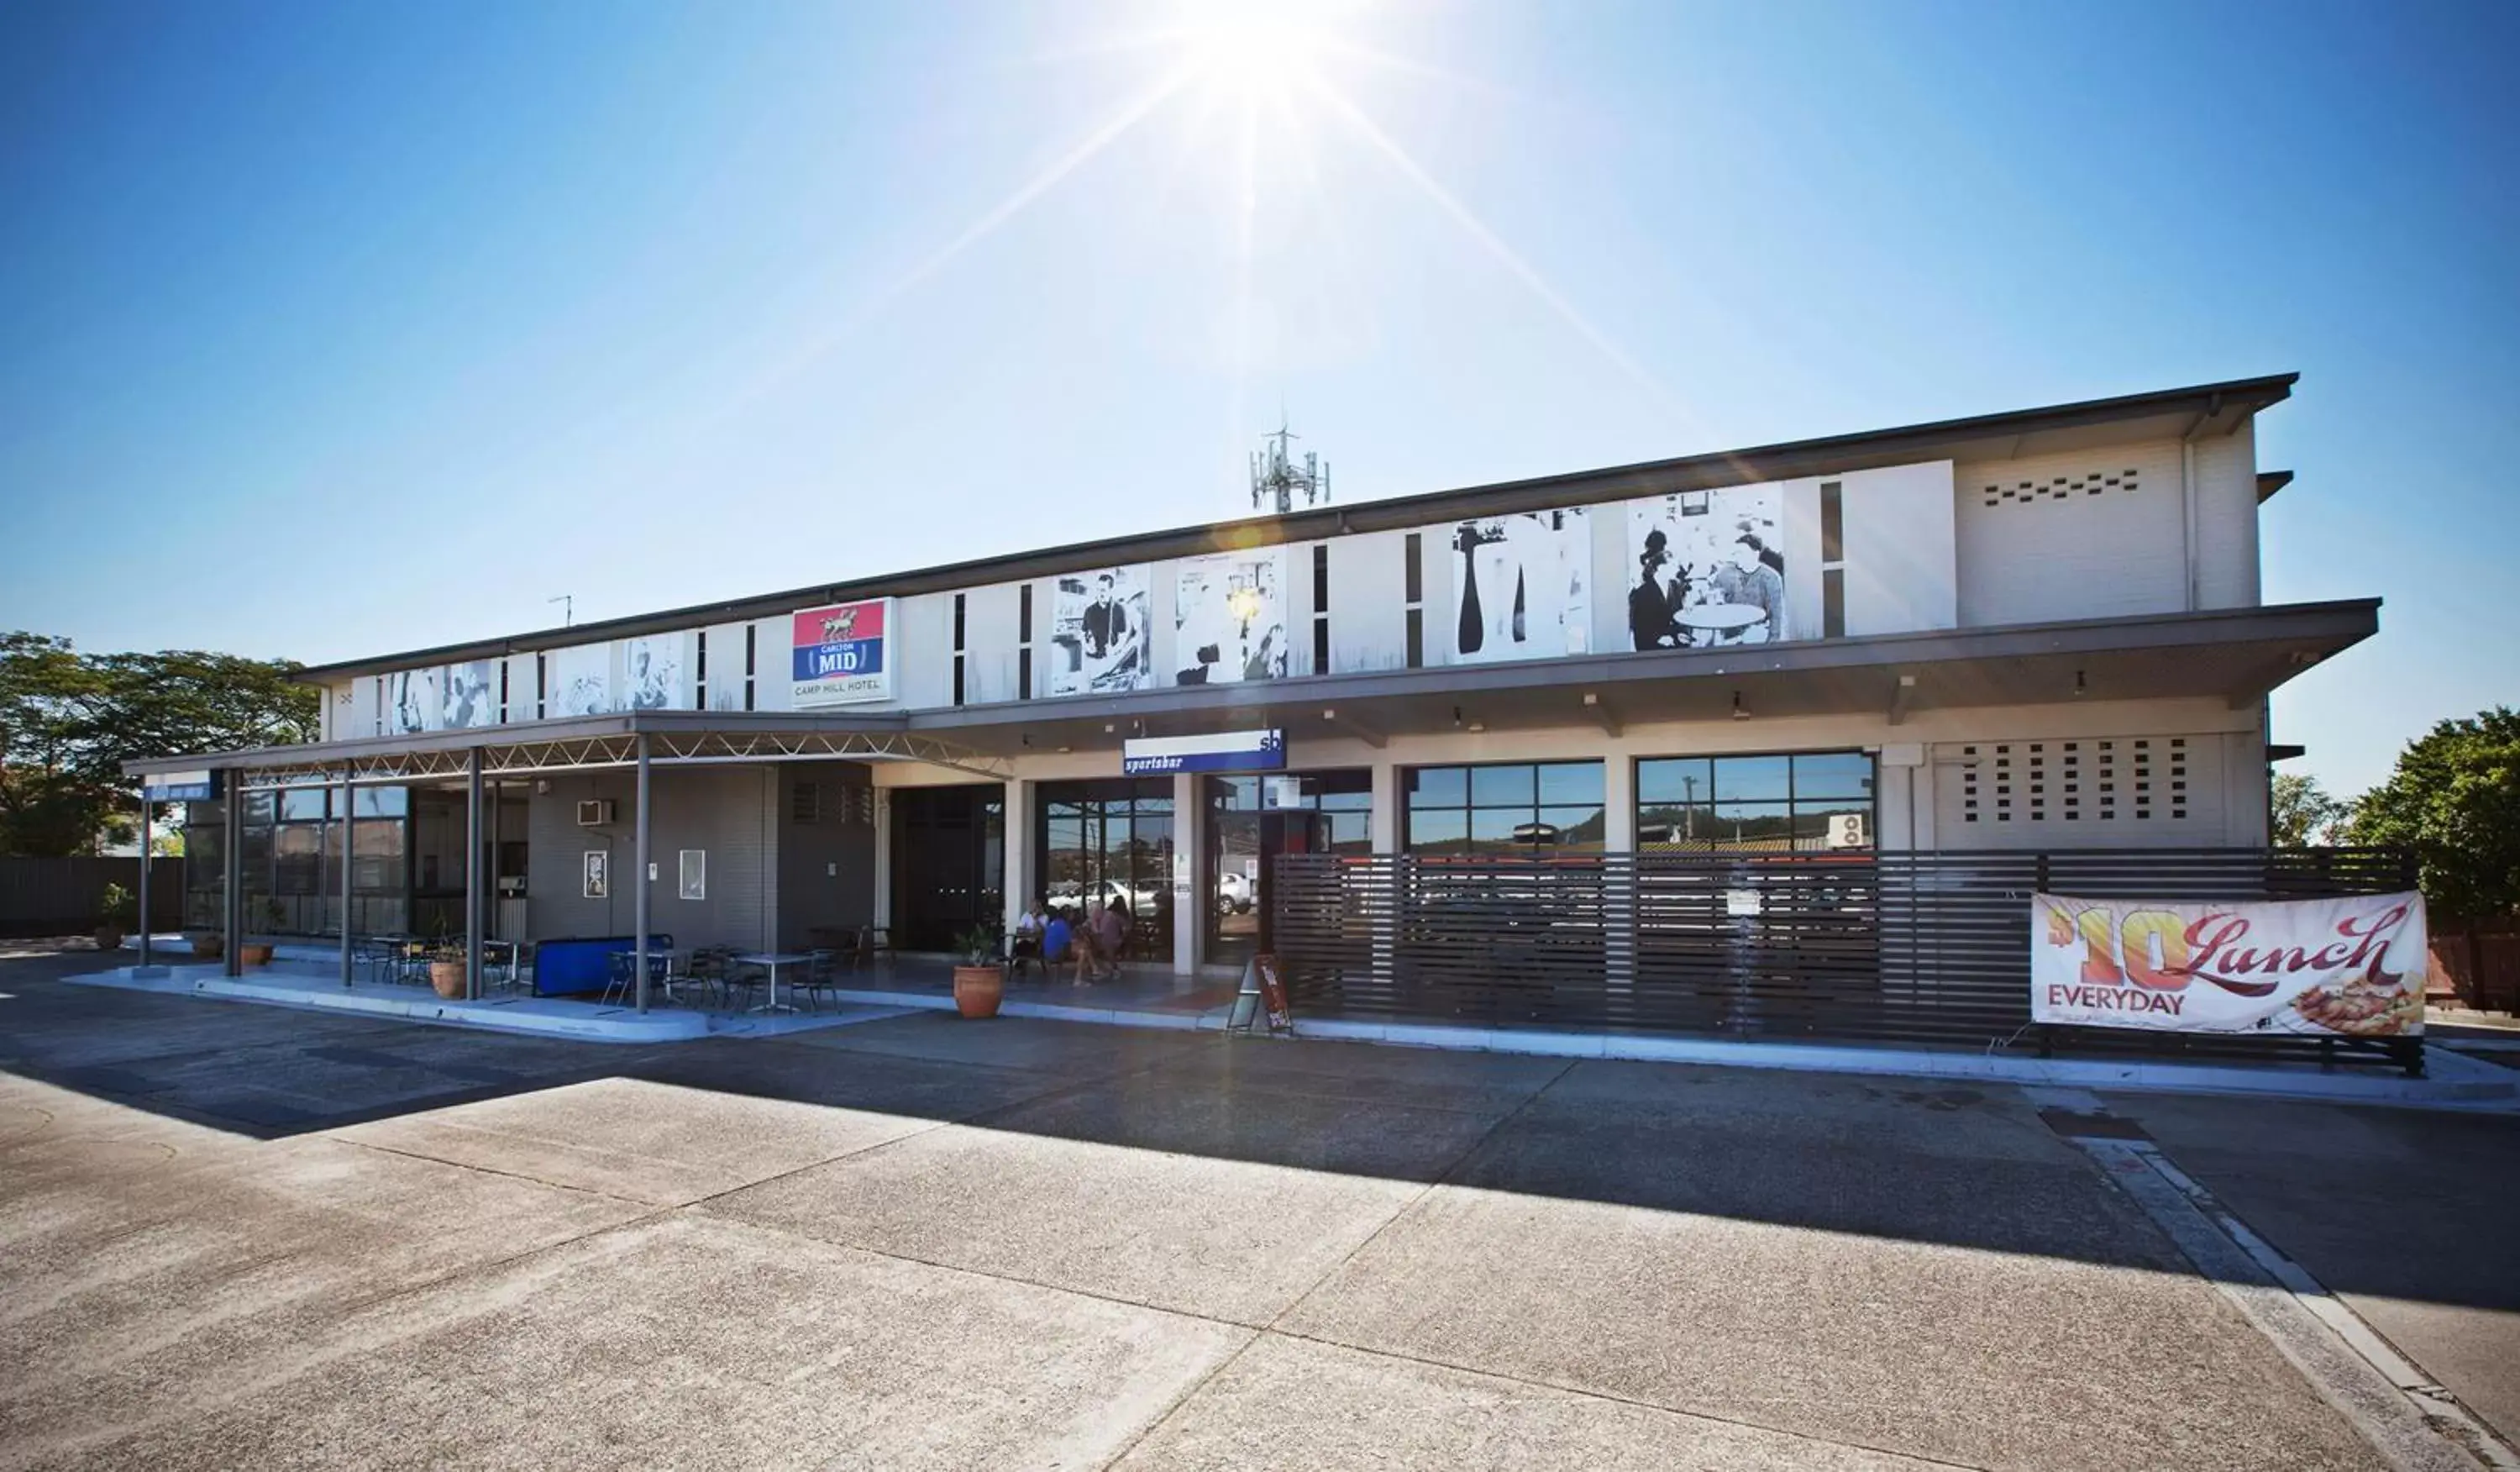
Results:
<point x="1517" y="808"/>
<point x="1804" y="802"/>
<point x="1111" y="841"/>
<point x="291" y="860"/>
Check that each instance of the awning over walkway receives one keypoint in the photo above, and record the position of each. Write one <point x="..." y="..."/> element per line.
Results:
<point x="2236" y="656"/>
<point x="580" y="743"/>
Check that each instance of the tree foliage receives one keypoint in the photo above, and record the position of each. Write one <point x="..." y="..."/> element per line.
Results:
<point x="69" y="722"/>
<point x="2304" y="813"/>
<point x="2454" y="801"/>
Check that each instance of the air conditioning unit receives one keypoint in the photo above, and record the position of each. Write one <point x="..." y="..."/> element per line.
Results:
<point x="597" y="812"/>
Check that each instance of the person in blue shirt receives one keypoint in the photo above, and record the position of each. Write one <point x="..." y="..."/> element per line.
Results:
<point x="1054" y="939"/>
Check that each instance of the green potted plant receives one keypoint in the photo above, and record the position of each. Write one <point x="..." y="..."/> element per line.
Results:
<point x="979" y="972"/>
<point x="116" y="910"/>
<point x="258" y="952"/>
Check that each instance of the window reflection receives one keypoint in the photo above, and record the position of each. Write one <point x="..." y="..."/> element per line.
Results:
<point x="1802" y="804"/>
<point x="1515" y="808"/>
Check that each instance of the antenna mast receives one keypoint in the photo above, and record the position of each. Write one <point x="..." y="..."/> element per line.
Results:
<point x="1276" y="479"/>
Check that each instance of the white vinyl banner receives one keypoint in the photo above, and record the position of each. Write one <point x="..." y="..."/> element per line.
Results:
<point x="2352" y="967"/>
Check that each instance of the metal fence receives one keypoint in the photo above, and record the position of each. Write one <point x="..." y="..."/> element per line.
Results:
<point x="1839" y="948"/>
<point x="62" y="896"/>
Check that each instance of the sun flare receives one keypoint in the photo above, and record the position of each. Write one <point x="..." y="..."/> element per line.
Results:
<point x="1248" y="48"/>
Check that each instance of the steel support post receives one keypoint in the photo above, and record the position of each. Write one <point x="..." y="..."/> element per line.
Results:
<point x="639" y="875"/>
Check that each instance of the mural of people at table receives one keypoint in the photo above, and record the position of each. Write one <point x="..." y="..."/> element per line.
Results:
<point x="1520" y="591"/>
<point x="1707" y="568"/>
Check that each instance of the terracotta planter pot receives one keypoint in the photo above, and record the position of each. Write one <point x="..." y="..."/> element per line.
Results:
<point x="977" y="989"/>
<point x="109" y="938"/>
<point x="253" y="955"/>
<point x="209" y="948"/>
<point x="446" y="979"/>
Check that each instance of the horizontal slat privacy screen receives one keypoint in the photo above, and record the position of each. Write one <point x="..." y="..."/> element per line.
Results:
<point x="1912" y="948"/>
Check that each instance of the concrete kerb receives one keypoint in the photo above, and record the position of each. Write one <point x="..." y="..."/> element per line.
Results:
<point x="2456" y="1083"/>
<point x="535" y="1016"/>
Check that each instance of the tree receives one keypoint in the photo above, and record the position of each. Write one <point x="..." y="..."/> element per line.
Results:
<point x="69" y="722"/>
<point x="2304" y="813"/>
<point x="2454" y="801"/>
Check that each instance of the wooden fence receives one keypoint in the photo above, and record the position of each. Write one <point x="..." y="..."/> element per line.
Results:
<point x="62" y="896"/>
<point x="1840" y="947"/>
<point x="2480" y="960"/>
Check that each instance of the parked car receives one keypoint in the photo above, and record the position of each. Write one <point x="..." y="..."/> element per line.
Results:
<point x="1233" y="894"/>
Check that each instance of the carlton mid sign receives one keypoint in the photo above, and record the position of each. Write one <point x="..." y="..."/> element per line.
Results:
<point x="843" y="653"/>
<point x="2347" y="967"/>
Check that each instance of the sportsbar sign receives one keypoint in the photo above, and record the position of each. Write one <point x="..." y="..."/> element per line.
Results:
<point x="843" y="654"/>
<point x="2351" y="968"/>
<point x="1217" y="752"/>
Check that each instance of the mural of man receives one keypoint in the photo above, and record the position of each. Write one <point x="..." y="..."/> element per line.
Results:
<point x="1745" y="578"/>
<point x="1106" y="622"/>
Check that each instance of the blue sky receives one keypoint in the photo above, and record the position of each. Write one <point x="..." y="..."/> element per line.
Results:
<point x="400" y="320"/>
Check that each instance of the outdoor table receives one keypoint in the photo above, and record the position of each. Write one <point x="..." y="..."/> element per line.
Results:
<point x="772" y="961"/>
<point x="1721" y="617"/>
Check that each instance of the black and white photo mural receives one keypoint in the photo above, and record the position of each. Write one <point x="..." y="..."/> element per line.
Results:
<point x="1522" y="588"/>
<point x="414" y="701"/>
<point x="1097" y="632"/>
<point x="471" y="695"/>
<point x="1230" y="619"/>
<point x="579" y="680"/>
<point x="653" y="673"/>
<point x="1707" y="568"/>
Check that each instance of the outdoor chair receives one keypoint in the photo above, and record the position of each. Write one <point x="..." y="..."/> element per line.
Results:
<point x="822" y="975"/>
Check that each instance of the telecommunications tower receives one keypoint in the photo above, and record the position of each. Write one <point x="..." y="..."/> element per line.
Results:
<point x="1276" y="479"/>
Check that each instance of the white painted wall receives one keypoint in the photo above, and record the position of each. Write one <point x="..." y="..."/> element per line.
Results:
<point x="2225" y="488"/>
<point x="2050" y="538"/>
<point x="1901" y="571"/>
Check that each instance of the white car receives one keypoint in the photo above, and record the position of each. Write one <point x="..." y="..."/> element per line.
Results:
<point x="1233" y="894"/>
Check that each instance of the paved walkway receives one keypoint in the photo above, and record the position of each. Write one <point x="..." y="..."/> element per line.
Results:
<point x="247" y="1236"/>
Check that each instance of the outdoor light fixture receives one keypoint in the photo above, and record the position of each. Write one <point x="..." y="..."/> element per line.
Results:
<point x="1738" y="714"/>
<point x="2078" y="682"/>
<point x="1457" y="718"/>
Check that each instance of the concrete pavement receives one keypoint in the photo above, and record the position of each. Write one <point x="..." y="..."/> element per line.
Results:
<point x="249" y="1237"/>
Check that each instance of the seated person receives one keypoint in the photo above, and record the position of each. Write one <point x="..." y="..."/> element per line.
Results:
<point x="1027" y="937"/>
<point x="1097" y="952"/>
<point x="1056" y="939"/>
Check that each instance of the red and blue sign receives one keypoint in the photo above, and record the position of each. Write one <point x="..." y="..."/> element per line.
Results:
<point x="841" y="653"/>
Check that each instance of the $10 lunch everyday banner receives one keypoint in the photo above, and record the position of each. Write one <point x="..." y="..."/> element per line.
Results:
<point x="2351" y="967"/>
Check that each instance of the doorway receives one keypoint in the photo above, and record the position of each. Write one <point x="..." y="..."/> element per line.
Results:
<point x="1252" y="821"/>
<point x="948" y="863"/>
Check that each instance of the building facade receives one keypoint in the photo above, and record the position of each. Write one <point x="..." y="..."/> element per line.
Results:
<point x="2037" y="630"/>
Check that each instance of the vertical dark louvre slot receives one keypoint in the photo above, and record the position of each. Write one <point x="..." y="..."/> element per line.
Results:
<point x="1832" y="522"/>
<point x="1023" y="613"/>
<point x="1416" y="635"/>
<point x="1412" y="575"/>
<point x="1832" y="602"/>
<point x="1321" y="646"/>
<point x="1023" y="674"/>
<point x="1322" y="578"/>
<point x="958" y="622"/>
<point x="752" y="641"/>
